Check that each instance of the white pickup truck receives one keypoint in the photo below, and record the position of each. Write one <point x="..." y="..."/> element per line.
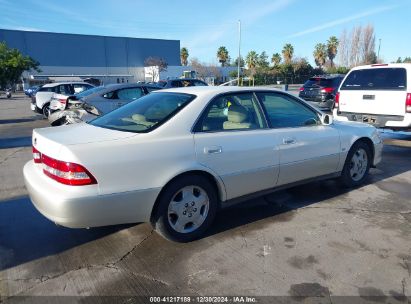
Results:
<point x="378" y="94"/>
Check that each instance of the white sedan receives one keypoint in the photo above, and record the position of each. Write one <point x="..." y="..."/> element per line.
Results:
<point x="174" y="157"/>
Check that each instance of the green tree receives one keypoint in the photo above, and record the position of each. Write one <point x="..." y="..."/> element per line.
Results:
<point x="288" y="52"/>
<point x="184" y="56"/>
<point x="263" y="60"/>
<point x="320" y="54"/>
<point x="222" y="55"/>
<point x="242" y="62"/>
<point x="407" y="60"/>
<point x="13" y="64"/>
<point x="332" y="47"/>
<point x="252" y="61"/>
<point x="276" y="59"/>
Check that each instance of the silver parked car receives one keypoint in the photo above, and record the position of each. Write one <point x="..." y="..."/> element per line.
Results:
<point x="99" y="101"/>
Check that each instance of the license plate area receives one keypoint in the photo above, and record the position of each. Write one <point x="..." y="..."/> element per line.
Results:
<point x="368" y="97"/>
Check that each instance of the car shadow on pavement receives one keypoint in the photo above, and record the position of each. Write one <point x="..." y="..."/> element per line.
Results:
<point x="15" y="142"/>
<point x="26" y="235"/>
<point x="19" y="120"/>
<point x="278" y="206"/>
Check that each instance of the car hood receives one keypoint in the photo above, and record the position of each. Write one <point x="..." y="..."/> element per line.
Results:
<point x="51" y="140"/>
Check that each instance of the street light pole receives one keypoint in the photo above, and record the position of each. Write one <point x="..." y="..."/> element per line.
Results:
<point x="379" y="46"/>
<point x="239" y="52"/>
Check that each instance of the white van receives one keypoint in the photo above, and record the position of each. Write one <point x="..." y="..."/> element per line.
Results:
<point x="378" y="94"/>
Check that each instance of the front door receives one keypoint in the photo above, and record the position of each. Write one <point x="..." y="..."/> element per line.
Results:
<point x="307" y="148"/>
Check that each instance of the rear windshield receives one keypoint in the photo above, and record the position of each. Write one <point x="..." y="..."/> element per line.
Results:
<point x="323" y="82"/>
<point x="376" y="79"/>
<point x="144" y="114"/>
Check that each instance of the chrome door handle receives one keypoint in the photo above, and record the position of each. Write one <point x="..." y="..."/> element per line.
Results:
<point x="213" y="150"/>
<point x="289" y="141"/>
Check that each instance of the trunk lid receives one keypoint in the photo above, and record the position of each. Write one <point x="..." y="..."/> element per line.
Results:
<point x="51" y="140"/>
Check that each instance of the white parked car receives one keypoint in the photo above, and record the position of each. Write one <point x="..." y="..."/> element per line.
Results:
<point x="378" y="94"/>
<point x="175" y="156"/>
<point x="40" y="103"/>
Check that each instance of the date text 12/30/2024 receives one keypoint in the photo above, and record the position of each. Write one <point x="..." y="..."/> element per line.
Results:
<point x="204" y="299"/>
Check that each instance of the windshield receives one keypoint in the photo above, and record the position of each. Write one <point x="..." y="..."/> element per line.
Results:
<point x="144" y="114"/>
<point x="89" y="92"/>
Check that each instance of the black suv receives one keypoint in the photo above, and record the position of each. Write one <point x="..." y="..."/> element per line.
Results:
<point x="321" y="90"/>
<point x="182" y="82"/>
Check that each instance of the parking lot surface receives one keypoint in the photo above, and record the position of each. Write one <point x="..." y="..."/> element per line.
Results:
<point x="312" y="240"/>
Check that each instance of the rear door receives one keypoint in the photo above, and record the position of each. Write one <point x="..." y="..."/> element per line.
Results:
<point x="376" y="90"/>
<point x="232" y="139"/>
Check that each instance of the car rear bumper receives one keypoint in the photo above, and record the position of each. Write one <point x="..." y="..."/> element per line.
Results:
<point x="82" y="206"/>
<point x="376" y="120"/>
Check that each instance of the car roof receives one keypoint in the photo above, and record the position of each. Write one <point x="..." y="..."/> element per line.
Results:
<point x="128" y="85"/>
<point x="50" y="85"/>
<point x="207" y="90"/>
<point x="383" y="65"/>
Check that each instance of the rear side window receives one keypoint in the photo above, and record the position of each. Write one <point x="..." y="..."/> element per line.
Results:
<point x="376" y="79"/>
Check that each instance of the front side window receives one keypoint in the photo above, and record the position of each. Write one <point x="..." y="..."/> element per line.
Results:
<point x="78" y="88"/>
<point x="129" y="93"/>
<point x="198" y="83"/>
<point x="238" y="111"/>
<point x="145" y="114"/>
<point x="286" y="112"/>
<point x="376" y="79"/>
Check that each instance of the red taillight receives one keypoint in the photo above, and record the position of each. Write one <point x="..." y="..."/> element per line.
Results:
<point x="36" y="156"/>
<point x="337" y="100"/>
<point x="408" y="103"/>
<point x="301" y="89"/>
<point x="327" y="90"/>
<point x="62" y="101"/>
<point x="64" y="172"/>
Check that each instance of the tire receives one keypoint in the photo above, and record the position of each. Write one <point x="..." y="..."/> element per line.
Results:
<point x="357" y="165"/>
<point x="45" y="110"/>
<point x="184" y="219"/>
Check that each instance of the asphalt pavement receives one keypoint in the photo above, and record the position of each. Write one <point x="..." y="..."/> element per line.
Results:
<point x="316" y="240"/>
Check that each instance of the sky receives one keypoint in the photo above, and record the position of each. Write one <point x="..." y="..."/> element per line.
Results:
<point x="204" y="26"/>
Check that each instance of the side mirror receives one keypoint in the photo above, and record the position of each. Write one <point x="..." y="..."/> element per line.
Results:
<point x="326" y="119"/>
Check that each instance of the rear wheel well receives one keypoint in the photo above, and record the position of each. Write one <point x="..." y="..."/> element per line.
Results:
<point x="205" y="174"/>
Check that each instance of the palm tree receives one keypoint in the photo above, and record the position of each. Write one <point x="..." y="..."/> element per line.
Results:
<point x="184" y="56"/>
<point x="222" y="55"/>
<point x="288" y="52"/>
<point x="332" y="46"/>
<point x="276" y="59"/>
<point x="252" y="59"/>
<point x="320" y="54"/>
